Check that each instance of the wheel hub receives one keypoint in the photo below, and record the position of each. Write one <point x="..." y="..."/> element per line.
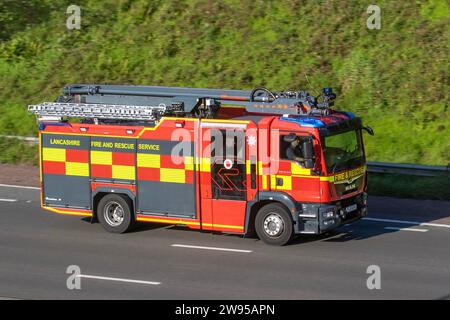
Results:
<point x="114" y="214"/>
<point x="273" y="225"/>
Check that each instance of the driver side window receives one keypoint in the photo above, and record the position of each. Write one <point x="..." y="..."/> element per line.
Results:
<point x="288" y="151"/>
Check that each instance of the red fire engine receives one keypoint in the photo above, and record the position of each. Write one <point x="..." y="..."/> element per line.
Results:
<point x="278" y="163"/>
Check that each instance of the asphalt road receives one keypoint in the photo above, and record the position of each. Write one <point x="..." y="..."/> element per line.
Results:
<point x="36" y="247"/>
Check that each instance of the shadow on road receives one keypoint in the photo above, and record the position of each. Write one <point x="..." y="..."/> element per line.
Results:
<point x="384" y="208"/>
<point x="139" y="227"/>
<point x="409" y="209"/>
<point x="447" y="297"/>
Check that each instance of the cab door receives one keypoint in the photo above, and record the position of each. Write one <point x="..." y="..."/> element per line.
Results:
<point x="289" y="176"/>
<point x="224" y="201"/>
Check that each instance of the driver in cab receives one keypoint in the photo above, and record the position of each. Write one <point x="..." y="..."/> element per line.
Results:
<point x="294" y="152"/>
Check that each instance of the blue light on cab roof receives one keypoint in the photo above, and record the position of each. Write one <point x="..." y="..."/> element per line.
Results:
<point x="305" y="122"/>
<point x="351" y="115"/>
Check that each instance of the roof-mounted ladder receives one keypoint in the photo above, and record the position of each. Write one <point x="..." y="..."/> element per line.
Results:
<point x="57" y="111"/>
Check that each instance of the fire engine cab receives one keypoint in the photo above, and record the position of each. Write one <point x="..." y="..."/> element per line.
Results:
<point x="233" y="161"/>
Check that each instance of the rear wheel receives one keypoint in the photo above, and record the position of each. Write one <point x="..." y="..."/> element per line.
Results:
<point x="115" y="213"/>
<point x="274" y="224"/>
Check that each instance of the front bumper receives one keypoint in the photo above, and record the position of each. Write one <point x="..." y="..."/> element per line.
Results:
<point x="318" y="218"/>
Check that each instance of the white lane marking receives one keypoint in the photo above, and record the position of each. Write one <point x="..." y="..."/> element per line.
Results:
<point x="8" y="200"/>
<point x="405" y="229"/>
<point x="20" y="187"/>
<point x="9" y="298"/>
<point x="210" y="248"/>
<point x="425" y="224"/>
<point x="118" y="279"/>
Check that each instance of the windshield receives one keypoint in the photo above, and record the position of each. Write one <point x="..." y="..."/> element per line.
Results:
<point x="343" y="151"/>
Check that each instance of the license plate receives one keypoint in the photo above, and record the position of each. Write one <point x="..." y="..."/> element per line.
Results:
<point x="351" y="208"/>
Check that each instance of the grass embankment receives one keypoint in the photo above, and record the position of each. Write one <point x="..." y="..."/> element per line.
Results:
<point x="396" y="78"/>
<point x="18" y="152"/>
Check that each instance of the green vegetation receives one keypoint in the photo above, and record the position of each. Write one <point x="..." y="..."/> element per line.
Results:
<point x="19" y="152"/>
<point x="406" y="186"/>
<point x="396" y="78"/>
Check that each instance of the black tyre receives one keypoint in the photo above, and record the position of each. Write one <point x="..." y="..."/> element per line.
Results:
<point x="274" y="224"/>
<point x="114" y="212"/>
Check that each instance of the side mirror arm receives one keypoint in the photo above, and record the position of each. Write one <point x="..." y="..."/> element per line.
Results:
<point x="369" y="130"/>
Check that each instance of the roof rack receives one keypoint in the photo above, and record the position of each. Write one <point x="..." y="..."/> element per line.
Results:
<point x="123" y="102"/>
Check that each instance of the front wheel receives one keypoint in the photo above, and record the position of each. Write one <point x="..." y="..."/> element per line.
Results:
<point x="114" y="213"/>
<point x="274" y="224"/>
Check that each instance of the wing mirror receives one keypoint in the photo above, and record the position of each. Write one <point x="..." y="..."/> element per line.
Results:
<point x="369" y="130"/>
<point x="308" y="153"/>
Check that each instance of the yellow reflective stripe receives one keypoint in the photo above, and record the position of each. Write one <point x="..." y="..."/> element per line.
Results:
<point x="172" y="175"/>
<point x="229" y="227"/>
<point x="189" y="163"/>
<point x="40" y="159"/>
<point x="248" y="166"/>
<point x="205" y="165"/>
<point x="329" y="179"/>
<point x="68" y="212"/>
<point x="287" y="182"/>
<point x="168" y="221"/>
<point x="273" y="182"/>
<point x="194" y="223"/>
<point x="160" y="122"/>
<point x="264" y="182"/>
<point x="126" y="136"/>
<point x="147" y="160"/>
<point x="297" y="169"/>
<point x="77" y="169"/>
<point x="90" y="135"/>
<point x="260" y="167"/>
<point x="222" y="226"/>
<point x="225" y="121"/>
<point x="101" y="157"/>
<point x="123" y="172"/>
<point x="54" y="154"/>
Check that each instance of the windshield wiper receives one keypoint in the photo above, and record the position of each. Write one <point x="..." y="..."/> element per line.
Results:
<point x="333" y="167"/>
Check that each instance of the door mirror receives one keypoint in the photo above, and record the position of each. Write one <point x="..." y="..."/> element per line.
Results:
<point x="369" y="130"/>
<point x="308" y="153"/>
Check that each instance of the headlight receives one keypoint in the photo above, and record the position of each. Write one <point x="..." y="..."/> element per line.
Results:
<point x="329" y="214"/>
